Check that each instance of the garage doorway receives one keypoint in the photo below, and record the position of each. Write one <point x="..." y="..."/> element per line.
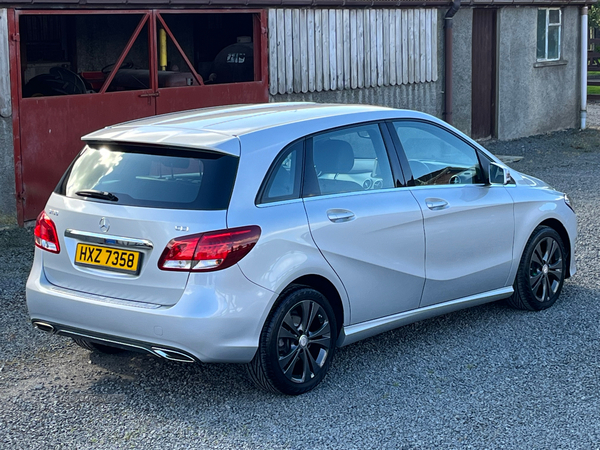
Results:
<point x="78" y="71"/>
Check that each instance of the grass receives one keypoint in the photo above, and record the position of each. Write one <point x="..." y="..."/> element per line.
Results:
<point x="593" y="90"/>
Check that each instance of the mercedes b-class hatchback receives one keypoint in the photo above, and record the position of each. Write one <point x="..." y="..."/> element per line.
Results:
<point x="270" y="235"/>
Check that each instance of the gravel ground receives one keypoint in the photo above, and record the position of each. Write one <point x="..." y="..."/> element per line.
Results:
<point x="488" y="377"/>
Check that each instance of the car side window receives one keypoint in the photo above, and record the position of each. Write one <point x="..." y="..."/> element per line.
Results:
<point x="347" y="160"/>
<point x="436" y="156"/>
<point x="284" y="178"/>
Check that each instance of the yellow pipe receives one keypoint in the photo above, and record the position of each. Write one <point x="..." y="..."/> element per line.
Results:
<point x="162" y="49"/>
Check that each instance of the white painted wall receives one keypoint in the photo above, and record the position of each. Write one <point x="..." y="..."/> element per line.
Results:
<point x="8" y="206"/>
<point x="5" y="102"/>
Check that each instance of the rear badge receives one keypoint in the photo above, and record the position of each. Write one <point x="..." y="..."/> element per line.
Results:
<point x="181" y="228"/>
<point x="104" y="224"/>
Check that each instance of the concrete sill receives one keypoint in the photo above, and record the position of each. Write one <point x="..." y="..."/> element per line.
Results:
<point x="560" y="62"/>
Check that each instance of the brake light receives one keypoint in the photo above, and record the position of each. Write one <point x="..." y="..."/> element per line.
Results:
<point x="45" y="234"/>
<point x="206" y="252"/>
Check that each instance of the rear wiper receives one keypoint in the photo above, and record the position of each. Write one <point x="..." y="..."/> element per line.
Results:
<point x="98" y="194"/>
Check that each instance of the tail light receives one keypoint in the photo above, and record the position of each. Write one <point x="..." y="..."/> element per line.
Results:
<point x="45" y="234"/>
<point x="206" y="252"/>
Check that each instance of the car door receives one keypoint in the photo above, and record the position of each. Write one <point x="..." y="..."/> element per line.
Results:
<point x="368" y="228"/>
<point x="469" y="224"/>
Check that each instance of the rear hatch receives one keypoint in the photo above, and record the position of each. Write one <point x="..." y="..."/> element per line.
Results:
<point x="118" y="206"/>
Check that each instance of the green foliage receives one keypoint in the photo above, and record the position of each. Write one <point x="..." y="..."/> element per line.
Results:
<point x="594" y="16"/>
<point x="593" y="90"/>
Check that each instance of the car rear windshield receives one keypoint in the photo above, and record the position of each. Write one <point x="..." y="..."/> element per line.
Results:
<point x="151" y="176"/>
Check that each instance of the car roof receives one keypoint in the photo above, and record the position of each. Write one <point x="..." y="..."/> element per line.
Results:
<point x="219" y="128"/>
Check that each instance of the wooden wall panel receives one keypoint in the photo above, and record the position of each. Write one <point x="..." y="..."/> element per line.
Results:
<point x="313" y="50"/>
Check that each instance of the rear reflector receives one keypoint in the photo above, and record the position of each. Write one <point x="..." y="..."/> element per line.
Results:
<point x="45" y="234"/>
<point x="206" y="252"/>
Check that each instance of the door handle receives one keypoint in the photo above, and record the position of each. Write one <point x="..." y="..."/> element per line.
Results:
<point x="340" y="215"/>
<point x="435" y="204"/>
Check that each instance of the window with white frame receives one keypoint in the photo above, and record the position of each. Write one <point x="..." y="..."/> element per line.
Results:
<point x="549" y="30"/>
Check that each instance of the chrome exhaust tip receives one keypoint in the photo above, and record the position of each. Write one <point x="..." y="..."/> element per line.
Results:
<point x="172" y="355"/>
<point x="43" y="326"/>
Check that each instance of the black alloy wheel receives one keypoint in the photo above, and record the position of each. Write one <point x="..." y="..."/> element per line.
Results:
<point x="296" y="345"/>
<point x="303" y="341"/>
<point x="541" y="272"/>
<point x="546" y="271"/>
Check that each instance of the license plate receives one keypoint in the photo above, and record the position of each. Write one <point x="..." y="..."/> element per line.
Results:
<point x="107" y="258"/>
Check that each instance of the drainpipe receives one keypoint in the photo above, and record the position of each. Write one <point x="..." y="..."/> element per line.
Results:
<point x="584" y="49"/>
<point x="448" y="63"/>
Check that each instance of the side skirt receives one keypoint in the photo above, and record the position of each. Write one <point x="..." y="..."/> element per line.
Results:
<point x="356" y="332"/>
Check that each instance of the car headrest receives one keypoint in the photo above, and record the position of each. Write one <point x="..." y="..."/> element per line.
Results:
<point x="333" y="156"/>
<point x="174" y="163"/>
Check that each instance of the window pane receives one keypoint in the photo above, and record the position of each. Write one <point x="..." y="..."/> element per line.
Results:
<point x="553" y="42"/>
<point x="554" y="16"/>
<point x="349" y="160"/>
<point x="74" y="54"/>
<point x="219" y="46"/>
<point x="157" y="177"/>
<point x="284" y="181"/>
<point x="437" y="157"/>
<point x="541" y="34"/>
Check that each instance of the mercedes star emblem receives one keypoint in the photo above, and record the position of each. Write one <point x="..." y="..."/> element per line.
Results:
<point x="104" y="224"/>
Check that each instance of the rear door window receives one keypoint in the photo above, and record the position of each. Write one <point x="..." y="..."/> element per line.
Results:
<point x="158" y="177"/>
<point x="348" y="160"/>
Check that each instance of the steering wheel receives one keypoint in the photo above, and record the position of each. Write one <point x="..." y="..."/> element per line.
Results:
<point x="462" y="177"/>
<point x="456" y="179"/>
<point x="418" y="168"/>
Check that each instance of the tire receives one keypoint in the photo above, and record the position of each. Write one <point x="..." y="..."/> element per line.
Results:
<point x="94" y="347"/>
<point x="541" y="273"/>
<point x="296" y="345"/>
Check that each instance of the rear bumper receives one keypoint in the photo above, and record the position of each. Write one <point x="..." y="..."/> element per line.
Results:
<point x="219" y="318"/>
<point x="172" y="354"/>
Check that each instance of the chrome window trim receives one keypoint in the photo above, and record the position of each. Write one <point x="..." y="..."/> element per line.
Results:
<point x="373" y="191"/>
<point x="345" y="194"/>
<point x="279" y="202"/>
<point x="107" y="239"/>
<point x="446" y="186"/>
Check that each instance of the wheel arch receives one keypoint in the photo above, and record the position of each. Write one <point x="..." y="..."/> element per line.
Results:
<point x="557" y="226"/>
<point x="325" y="287"/>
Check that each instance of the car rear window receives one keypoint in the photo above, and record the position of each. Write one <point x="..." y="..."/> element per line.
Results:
<point x="151" y="176"/>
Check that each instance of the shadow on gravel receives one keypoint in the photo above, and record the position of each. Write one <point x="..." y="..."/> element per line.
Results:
<point x="453" y="344"/>
<point x="158" y="377"/>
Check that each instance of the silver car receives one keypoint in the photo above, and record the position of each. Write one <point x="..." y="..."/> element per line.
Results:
<point x="270" y="235"/>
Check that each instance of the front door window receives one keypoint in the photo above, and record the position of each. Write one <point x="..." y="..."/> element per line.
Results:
<point x="437" y="157"/>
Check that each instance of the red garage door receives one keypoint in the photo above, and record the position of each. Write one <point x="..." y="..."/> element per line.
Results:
<point x="78" y="71"/>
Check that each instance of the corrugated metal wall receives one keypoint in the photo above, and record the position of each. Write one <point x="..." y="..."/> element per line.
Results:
<point x="333" y="49"/>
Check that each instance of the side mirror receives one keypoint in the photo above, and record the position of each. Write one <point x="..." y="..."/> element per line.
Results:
<point x="498" y="174"/>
